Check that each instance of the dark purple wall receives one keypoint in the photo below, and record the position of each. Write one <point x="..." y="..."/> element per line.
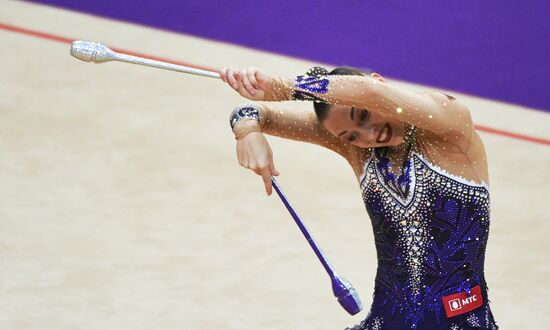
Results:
<point x="494" y="49"/>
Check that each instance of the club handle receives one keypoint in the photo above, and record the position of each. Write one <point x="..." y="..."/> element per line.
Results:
<point x="303" y="229"/>
<point x="164" y="65"/>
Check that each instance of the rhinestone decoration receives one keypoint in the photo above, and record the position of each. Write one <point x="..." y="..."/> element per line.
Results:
<point x="248" y="112"/>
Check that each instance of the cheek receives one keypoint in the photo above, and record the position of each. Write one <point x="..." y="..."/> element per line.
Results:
<point x="364" y="141"/>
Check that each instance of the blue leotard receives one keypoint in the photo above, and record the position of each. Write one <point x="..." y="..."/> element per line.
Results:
<point x="430" y="231"/>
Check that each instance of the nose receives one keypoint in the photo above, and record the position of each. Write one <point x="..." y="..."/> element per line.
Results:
<point x="370" y="134"/>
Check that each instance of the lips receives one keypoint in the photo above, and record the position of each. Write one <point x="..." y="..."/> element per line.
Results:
<point x="385" y="134"/>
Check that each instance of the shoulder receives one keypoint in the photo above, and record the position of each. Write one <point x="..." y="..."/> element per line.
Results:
<point x="454" y="115"/>
<point x="447" y="104"/>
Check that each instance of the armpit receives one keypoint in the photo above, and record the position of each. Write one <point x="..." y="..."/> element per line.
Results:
<point x="451" y="98"/>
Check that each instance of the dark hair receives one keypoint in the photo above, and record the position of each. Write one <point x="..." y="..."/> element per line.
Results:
<point x="321" y="108"/>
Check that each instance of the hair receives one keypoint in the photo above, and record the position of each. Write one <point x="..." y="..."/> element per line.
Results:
<point x="321" y="108"/>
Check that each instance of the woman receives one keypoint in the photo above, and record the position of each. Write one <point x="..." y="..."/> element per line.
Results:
<point x="423" y="175"/>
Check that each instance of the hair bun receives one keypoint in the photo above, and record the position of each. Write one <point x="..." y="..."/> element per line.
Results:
<point x="317" y="71"/>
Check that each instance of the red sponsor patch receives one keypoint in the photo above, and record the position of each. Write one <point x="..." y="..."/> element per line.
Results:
<point x="462" y="302"/>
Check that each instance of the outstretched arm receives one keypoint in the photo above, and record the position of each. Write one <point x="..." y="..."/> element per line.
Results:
<point x="436" y="112"/>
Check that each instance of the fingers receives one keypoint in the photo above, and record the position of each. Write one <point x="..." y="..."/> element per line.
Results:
<point x="232" y="78"/>
<point x="247" y="83"/>
<point x="272" y="169"/>
<point x="251" y="72"/>
<point x="223" y="74"/>
<point x="238" y="76"/>
<point x="266" y="177"/>
<point x="247" y="76"/>
<point x="264" y="171"/>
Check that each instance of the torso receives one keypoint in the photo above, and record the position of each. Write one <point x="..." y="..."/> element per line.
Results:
<point x="431" y="229"/>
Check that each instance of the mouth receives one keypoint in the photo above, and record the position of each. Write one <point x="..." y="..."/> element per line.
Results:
<point x="385" y="134"/>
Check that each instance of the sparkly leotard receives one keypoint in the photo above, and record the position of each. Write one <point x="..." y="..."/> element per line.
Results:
<point x="430" y="243"/>
<point x="430" y="227"/>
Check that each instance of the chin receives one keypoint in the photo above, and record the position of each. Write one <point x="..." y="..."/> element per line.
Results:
<point x="395" y="141"/>
<point x="396" y="135"/>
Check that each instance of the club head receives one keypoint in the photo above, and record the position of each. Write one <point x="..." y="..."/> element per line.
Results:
<point x="346" y="294"/>
<point x="89" y="51"/>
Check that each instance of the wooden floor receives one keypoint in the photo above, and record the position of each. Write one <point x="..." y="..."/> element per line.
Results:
<point x="122" y="205"/>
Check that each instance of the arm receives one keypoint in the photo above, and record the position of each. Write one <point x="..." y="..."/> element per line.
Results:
<point x="250" y="121"/>
<point x="295" y="125"/>
<point x="436" y="112"/>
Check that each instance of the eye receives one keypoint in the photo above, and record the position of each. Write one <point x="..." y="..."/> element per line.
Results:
<point x="352" y="137"/>
<point x="364" y="116"/>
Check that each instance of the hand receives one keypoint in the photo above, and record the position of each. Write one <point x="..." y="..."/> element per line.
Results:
<point x="254" y="152"/>
<point x="249" y="82"/>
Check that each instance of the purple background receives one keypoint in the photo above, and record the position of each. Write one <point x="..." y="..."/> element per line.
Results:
<point x="494" y="49"/>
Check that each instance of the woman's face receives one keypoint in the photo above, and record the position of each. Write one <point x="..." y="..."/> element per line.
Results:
<point x="364" y="128"/>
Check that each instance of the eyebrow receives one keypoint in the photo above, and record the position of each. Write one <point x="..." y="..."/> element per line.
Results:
<point x="352" y="113"/>
<point x="344" y="132"/>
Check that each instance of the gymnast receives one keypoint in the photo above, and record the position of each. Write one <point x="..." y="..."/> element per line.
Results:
<point x="422" y="171"/>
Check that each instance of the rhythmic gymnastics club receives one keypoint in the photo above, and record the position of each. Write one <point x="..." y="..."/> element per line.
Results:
<point x="88" y="51"/>
<point x="342" y="289"/>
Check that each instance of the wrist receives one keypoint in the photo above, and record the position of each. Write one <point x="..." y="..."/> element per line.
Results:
<point x="302" y="88"/>
<point x="280" y="89"/>
<point x="247" y="111"/>
<point x="245" y="127"/>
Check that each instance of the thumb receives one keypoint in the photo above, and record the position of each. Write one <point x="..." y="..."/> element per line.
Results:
<point x="272" y="170"/>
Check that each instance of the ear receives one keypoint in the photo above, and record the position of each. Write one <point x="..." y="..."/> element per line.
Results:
<point x="377" y="76"/>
